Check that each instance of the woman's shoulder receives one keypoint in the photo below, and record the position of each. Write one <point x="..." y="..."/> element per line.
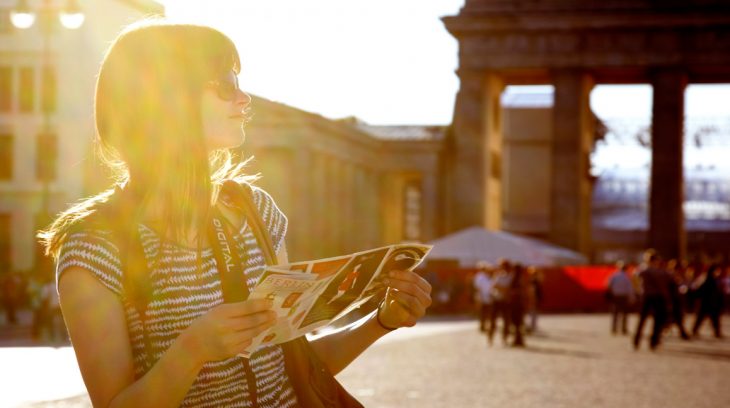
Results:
<point x="273" y="218"/>
<point x="94" y="250"/>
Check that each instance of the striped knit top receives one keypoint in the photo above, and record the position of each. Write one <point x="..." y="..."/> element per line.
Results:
<point x="180" y="295"/>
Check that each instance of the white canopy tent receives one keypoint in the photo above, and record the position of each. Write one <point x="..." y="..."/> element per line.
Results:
<point x="475" y="244"/>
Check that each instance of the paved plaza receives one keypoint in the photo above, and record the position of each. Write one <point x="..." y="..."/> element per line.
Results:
<point x="572" y="362"/>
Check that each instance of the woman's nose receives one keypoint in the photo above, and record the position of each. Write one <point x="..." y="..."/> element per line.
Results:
<point x="243" y="99"/>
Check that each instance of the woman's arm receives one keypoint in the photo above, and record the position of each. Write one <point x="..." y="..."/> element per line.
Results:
<point x="406" y="300"/>
<point x="96" y="323"/>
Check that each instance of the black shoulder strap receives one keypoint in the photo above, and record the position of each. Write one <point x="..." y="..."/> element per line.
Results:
<point x="240" y="196"/>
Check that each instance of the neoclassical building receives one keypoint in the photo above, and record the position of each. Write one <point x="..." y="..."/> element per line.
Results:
<point x="46" y="110"/>
<point x="521" y="165"/>
<point x="345" y="185"/>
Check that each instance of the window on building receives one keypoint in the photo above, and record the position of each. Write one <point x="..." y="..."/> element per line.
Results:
<point x="6" y="156"/>
<point x="6" y="89"/>
<point x="5" y="236"/>
<point x="6" y="27"/>
<point x="27" y="89"/>
<point x="43" y="264"/>
<point x="412" y="211"/>
<point x="47" y="157"/>
<point x="48" y="95"/>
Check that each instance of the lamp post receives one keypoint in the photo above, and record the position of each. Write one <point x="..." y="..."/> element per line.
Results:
<point x="51" y="18"/>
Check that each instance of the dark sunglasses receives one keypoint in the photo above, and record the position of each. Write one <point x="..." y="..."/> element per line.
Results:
<point x="226" y="87"/>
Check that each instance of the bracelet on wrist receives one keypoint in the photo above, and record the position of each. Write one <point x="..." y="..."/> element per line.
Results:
<point x="380" y="322"/>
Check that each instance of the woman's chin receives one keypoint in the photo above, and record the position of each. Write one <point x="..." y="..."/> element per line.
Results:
<point x="227" y="142"/>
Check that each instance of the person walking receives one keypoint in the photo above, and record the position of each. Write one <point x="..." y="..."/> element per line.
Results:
<point x="709" y="294"/>
<point x="654" y="299"/>
<point x="518" y="299"/>
<point x="12" y="294"/>
<point x="500" y="301"/>
<point x="621" y="295"/>
<point x="483" y="284"/>
<point x="153" y="274"/>
<point x="52" y="328"/>
<point x="534" y="296"/>
<point x="677" y="291"/>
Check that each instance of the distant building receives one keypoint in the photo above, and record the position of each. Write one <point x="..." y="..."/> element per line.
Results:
<point x="620" y="211"/>
<point x="64" y="90"/>
<point x="346" y="185"/>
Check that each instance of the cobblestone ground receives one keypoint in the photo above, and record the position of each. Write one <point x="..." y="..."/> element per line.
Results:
<point x="571" y="362"/>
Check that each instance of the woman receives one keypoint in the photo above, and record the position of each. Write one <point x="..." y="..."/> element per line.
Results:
<point x="167" y="107"/>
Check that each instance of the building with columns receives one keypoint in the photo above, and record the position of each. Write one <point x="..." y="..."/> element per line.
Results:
<point x="574" y="45"/>
<point x="344" y="185"/>
<point x="46" y="111"/>
<point x="347" y="186"/>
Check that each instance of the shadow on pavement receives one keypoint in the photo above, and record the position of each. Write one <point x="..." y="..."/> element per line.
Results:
<point x="557" y="351"/>
<point x="717" y="355"/>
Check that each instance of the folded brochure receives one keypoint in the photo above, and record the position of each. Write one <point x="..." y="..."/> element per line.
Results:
<point x="312" y="294"/>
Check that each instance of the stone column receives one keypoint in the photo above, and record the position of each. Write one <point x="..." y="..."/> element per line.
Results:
<point x="429" y="206"/>
<point x="666" y="217"/>
<point x="351" y="194"/>
<point x="570" y="193"/>
<point x="318" y="201"/>
<point x="360" y="220"/>
<point x="301" y="221"/>
<point x="474" y="196"/>
<point x="373" y="218"/>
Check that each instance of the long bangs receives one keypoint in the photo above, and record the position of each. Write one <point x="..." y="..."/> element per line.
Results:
<point x="148" y="110"/>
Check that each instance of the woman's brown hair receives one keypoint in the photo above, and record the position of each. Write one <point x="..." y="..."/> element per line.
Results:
<point x="147" y="110"/>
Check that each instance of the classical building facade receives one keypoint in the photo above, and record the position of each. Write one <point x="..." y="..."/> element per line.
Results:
<point x="574" y="45"/>
<point x="46" y="110"/>
<point x="345" y="185"/>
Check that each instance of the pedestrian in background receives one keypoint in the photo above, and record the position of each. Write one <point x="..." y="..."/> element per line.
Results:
<point x="500" y="301"/>
<point x="677" y="290"/>
<point x="620" y="293"/>
<point x="709" y="295"/>
<point x="11" y="288"/>
<point x="517" y="302"/>
<point x="534" y="296"/>
<point x="483" y="284"/>
<point x="654" y="298"/>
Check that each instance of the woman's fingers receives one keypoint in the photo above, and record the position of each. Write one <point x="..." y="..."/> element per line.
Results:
<point x="411" y="303"/>
<point x="410" y="277"/>
<point x="266" y="318"/>
<point x="412" y="288"/>
<point x="245" y="308"/>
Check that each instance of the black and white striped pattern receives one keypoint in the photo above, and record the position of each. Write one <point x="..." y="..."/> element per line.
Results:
<point x="180" y="295"/>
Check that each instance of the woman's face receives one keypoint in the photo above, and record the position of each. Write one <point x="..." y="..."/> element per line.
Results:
<point x="223" y="112"/>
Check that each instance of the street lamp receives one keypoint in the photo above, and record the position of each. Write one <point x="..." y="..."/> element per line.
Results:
<point x="49" y="16"/>
<point x="70" y="16"/>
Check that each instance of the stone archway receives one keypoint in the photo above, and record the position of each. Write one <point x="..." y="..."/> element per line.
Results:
<point x="575" y="44"/>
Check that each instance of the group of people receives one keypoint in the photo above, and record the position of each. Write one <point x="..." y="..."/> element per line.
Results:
<point x="666" y="290"/>
<point x="509" y="291"/>
<point x="37" y="293"/>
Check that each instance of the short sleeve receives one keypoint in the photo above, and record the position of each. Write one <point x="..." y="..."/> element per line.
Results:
<point x="94" y="252"/>
<point x="274" y="219"/>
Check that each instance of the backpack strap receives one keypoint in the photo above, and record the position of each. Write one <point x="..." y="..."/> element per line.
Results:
<point x="313" y="383"/>
<point x="240" y="196"/>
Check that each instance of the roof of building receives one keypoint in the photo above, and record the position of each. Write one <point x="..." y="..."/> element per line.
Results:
<point x="404" y="132"/>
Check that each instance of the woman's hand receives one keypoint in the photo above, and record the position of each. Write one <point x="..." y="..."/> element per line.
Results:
<point x="227" y="329"/>
<point x="406" y="300"/>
